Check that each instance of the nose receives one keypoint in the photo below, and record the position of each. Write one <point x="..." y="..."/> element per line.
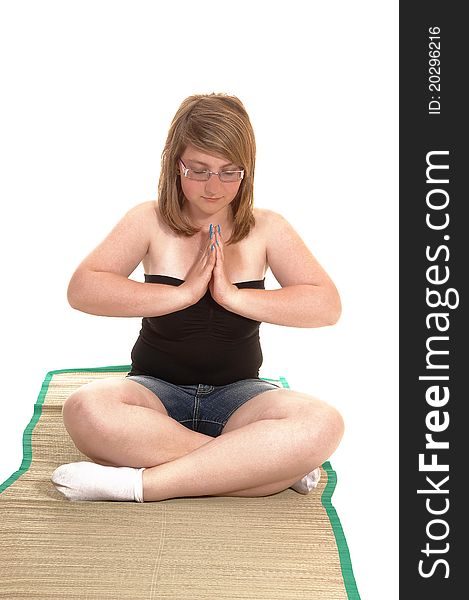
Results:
<point x="213" y="186"/>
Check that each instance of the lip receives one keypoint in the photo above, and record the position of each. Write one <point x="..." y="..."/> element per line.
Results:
<point x="212" y="199"/>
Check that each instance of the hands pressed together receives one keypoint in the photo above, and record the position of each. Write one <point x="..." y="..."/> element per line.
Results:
<point x="208" y="271"/>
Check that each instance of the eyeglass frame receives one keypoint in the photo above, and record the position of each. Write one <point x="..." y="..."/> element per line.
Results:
<point x="185" y="170"/>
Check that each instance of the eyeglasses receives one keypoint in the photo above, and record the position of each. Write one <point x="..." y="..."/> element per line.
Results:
<point x="205" y="174"/>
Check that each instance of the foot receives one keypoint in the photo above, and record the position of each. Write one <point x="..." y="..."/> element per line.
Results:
<point x="90" y="481"/>
<point x="307" y="483"/>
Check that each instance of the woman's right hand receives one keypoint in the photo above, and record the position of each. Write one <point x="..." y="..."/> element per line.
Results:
<point x="199" y="275"/>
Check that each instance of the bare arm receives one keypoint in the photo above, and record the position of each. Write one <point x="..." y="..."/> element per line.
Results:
<point x="307" y="298"/>
<point x="101" y="285"/>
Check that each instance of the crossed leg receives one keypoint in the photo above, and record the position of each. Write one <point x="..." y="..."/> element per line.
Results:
<point x="268" y="444"/>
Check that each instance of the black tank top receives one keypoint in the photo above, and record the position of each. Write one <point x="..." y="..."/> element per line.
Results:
<point x="204" y="343"/>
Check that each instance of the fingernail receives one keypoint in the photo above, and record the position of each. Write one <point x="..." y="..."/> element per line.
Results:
<point x="219" y="229"/>
<point x="212" y="247"/>
<point x="211" y="231"/>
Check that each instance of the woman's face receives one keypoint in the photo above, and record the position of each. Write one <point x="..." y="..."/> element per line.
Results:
<point x="211" y="196"/>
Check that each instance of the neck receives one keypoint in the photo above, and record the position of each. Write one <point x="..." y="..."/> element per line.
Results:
<point x="223" y="218"/>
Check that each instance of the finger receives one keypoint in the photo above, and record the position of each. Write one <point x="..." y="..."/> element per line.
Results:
<point x="206" y="249"/>
<point x="219" y="246"/>
<point x="219" y="267"/>
<point x="212" y="234"/>
<point x="218" y="235"/>
<point x="205" y="243"/>
<point x="203" y="257"/>
<point x="211" y="256"/>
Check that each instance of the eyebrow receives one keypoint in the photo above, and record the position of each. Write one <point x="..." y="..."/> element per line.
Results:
<point x="199" y="162"/>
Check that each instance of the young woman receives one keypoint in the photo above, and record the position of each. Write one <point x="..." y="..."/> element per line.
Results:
<point x="192" y="417"/>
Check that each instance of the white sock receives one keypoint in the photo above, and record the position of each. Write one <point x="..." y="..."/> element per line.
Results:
<point x="307" y="483"/>
<point x="90" y="481"/>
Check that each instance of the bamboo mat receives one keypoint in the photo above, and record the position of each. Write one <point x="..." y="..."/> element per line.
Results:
<point x="281" y="547"/>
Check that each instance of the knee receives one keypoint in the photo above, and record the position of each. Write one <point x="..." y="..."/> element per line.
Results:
<point x="333" y="425"/>
<point x="81" y="420"/>
<point x="71" y="407"/>
<point x="79" y="408"/>
<point x="323" y="431"/>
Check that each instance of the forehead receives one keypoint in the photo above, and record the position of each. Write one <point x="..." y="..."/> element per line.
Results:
<point x="193" y="154"/>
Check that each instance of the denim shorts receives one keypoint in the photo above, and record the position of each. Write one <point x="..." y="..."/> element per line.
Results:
<point x="201" y="407"/>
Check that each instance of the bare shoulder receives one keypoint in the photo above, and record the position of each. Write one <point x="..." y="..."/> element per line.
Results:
<point x="288" y="257"/>
<point x="144" y="211"/>
<point x="146" y="217"/>
<point x="127" y="243"/>
<point x="264" y="215"/>
<point x="271" y="224"/>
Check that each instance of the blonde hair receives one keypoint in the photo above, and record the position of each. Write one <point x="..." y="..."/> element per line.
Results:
<point x="216" y="124"/>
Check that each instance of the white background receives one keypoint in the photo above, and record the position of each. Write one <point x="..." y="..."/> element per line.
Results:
<point x="88" y="92"/>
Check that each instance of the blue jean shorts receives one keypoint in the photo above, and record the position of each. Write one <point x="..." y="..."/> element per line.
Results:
<point x="201" y="407"/>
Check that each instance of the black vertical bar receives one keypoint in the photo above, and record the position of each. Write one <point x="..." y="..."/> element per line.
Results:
<point x="434" y="266"/>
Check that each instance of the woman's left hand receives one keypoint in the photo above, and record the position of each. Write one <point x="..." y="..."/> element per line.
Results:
<point x="221" y="288"/>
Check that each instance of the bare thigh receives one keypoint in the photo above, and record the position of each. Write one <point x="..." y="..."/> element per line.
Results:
<point x="120" y="422"/>
<point x="282" y="404"/>
<point x="113" y="390"/>
<point x="321" y="423"/>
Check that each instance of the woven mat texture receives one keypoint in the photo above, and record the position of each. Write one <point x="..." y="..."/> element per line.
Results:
<point x="279" y="547"/>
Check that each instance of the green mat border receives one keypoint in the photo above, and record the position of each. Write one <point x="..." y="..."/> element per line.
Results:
<point x="326" y="499"/>
<point x="342" y="546"/>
